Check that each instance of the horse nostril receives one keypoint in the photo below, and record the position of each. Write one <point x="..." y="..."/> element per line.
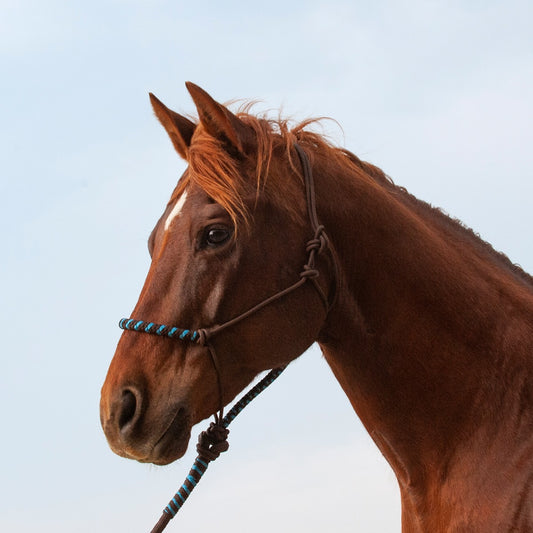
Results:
<point x="128" y="407"/>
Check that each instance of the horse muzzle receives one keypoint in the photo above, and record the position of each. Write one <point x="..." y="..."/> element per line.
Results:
<point x="135" y="431"/>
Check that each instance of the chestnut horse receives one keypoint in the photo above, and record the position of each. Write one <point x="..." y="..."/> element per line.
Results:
<point x="428" y="330"/>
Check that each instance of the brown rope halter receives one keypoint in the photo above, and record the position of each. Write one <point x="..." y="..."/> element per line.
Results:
<point x="213" y="441"/>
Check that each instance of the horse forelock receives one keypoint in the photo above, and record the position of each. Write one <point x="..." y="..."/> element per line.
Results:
<point x="219" y="174"/>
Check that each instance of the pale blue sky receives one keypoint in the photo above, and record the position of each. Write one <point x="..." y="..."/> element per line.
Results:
<point x="437" y="93"/>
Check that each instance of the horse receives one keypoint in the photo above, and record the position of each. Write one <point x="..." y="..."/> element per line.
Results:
<point x="427" y="328"/>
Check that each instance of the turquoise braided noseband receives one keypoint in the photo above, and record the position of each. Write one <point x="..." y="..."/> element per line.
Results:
<point x="159" y="329"/>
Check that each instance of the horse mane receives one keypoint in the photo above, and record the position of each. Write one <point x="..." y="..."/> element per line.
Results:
<point x="445" y="221"/>
<point x="217" y="172"/>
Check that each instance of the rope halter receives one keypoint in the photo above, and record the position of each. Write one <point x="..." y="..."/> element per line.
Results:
<point x="213" y="441"/>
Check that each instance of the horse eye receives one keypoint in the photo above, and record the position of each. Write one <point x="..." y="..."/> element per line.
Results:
<point x="216" y="236"/>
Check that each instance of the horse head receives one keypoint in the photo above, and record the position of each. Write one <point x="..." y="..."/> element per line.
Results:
<point x="233" y="234"/>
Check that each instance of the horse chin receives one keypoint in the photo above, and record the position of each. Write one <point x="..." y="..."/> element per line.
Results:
<point x="173" y="442"/>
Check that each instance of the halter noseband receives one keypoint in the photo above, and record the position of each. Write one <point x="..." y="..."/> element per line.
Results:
<point x="213" y="441"/>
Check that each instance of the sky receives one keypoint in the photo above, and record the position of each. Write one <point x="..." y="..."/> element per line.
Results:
<point x="436" y="93"/>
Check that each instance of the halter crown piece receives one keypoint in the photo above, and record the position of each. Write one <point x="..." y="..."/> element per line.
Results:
<point x="213" y="441"/>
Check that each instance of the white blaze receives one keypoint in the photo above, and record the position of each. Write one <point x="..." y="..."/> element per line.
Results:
<point x="175" y="210"/>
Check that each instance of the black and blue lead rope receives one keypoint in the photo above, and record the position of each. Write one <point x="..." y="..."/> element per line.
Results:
<point x="207" y="437"/>
<point x="213" y="441"/>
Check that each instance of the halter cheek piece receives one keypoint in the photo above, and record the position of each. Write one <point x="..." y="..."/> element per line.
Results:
<point x="213" y="441"/>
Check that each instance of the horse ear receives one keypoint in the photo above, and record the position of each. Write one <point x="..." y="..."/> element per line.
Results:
<point x="179" y="129"/>
<point x="218" y="120"/>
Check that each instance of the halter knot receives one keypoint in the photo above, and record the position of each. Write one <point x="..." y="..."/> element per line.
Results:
<point x="212" y="442"/>
<point x="203" y="337"/>
<point x="318" y="242"/>
<point x="309" y="272"/>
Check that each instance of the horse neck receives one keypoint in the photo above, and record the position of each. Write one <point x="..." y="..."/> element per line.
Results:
<point x="420" y="338"/>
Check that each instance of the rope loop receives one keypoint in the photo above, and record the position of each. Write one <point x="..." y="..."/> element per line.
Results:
<point x="212" y="442"/>
<point x="313" y="244"/>
<point x="318" y="242"/>
<point x="309" y="272"/>
<point x="203" y="337"/>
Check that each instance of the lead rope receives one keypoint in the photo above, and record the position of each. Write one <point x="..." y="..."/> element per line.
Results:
<point x="213" y="441"/>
